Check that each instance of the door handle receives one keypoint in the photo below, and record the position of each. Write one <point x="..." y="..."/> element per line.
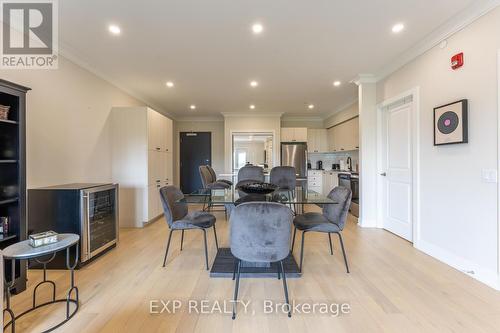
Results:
<point x="383" y="174"/>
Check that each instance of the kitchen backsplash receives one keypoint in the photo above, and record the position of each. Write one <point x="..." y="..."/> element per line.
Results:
<point x="331" y="158"/>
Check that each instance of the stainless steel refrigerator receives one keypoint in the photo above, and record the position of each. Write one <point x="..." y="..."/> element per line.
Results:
<point x="295" y="154"/>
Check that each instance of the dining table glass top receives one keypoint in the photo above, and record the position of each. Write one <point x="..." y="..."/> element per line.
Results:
<point x="233" y="195"/>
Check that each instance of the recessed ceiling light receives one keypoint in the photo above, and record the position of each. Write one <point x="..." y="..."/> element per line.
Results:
<point x="254" y="84"/>
<point x="192" y="107"/>
<point x="398" y="28"/>
<point x="337" y="83"/>
<point x="252" y="106"/>
<point x="114" y="29"/>
<point x="170" y="84"/>
<point x="257" y="28"/>
<point x="310" y="106"/>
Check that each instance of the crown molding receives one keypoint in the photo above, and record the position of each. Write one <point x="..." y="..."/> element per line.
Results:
<point x="301" y="118"/>
<point x="460" y="21"/>
<point x="364" y="78"/>
<point x="249" y="115"/>
<point x="66" y="52"/>
<point x="200" y="119"/>
<point x="340" y="109"/>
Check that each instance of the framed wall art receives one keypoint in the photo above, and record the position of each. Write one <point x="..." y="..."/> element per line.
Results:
<point x="450" y="123"/>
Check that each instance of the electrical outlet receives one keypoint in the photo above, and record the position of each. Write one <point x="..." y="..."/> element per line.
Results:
<point x="489" y="175"/>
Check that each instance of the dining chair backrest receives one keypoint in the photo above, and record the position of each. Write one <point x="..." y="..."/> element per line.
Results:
<point x="251" y="172"/>
<point x="337" y="213"/>
<point x="260" y="231"/>
<point x="284" y="177"/>
<point x="173" y="206"/>
<point x="212" y="173"/>
<point x="206" y="176"/>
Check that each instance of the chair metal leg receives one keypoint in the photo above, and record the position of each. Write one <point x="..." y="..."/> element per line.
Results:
<point x="279" y="273"/>
<point x="168" y="245"/>
<point x="285" y="287"/>
<point x="331" y="245"/>
<point x="216" y="242"/>
<point x="235" y="268"/>
<point x="293" y="239"/>
<point x="182" y="238"/>
<point x="236" y="287"/>
<point x="302" y="251"/>
<point x="206" y="250"/>
<point x="343" y="251"/>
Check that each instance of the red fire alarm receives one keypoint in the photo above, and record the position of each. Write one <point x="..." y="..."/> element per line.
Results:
<point x="457" y="61"/>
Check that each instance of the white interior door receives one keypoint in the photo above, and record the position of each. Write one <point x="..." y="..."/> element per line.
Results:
<point x="397" y="171"/>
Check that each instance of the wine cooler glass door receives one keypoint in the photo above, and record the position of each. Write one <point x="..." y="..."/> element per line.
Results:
<point x="102" y="218"/>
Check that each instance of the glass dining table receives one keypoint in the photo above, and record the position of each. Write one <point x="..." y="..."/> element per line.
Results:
<point x="223" y="265"/>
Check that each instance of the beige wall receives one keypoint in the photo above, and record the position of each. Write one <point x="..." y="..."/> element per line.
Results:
<point x="458" y="210"/>
<point x="343" y="115"/>
<point x="240" y="123"/>
<point x="217" y="130"/>
<point x="67" y="124"/>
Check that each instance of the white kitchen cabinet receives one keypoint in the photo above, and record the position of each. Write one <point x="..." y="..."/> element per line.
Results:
<point x="141" y="162"/>
<point x="287" y="134"/>
<point x="294" y="134"/>
<point x="330" y="181"/>
<point x="315" y="180"/>
<point x="344" y="136"/>
<point x="317" y="140"/>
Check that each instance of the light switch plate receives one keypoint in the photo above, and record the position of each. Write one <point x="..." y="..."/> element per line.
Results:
<point x="489" y="175"/>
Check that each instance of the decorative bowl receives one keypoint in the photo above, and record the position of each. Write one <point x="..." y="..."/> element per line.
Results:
<point x="257" y="188"/>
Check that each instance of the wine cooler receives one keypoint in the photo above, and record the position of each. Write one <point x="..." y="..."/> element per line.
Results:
<point x="89" y="210"/>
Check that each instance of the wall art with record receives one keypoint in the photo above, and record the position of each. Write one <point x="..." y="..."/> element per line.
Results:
<point x="450" y="123"/>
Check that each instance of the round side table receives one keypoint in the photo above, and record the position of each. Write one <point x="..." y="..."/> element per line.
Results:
<point x="24" y="251"/>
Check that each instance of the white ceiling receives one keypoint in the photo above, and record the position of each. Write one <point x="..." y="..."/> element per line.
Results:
<point x="207" y="49"/>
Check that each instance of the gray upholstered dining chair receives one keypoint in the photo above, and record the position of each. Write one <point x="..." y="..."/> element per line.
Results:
<point x="260" y="232"/>
<point x="214" y="176"/>
<point x="286" y="179"/>
<point x="209" y="181"/>
<point x="332" y="220"/>
<point x="178" y="218"/>
<point x="250" y="173"/>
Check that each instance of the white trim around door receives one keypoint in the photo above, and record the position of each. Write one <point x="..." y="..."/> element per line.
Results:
<point x="498" y="168"/>
<point x="412" y="96"/>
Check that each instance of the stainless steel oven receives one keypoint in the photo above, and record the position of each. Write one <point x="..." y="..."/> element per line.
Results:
<point x="99" y="222"/>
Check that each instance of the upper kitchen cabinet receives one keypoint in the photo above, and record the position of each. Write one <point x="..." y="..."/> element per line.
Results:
<point x="344" y="136"/>
<point x="317" y="141"/>
<point x="159" y="132"/>
<point x="294" y="134"/>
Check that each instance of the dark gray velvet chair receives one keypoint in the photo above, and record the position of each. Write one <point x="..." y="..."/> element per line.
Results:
<point x="178" y="218"/>
<point x="209" y="181"/>
<point x="250" y="173"/>
<point x="260" y="232"/>
<point x="285" y="178"/>
<point x="332" y="220"/>
<point x="214" y="176"/>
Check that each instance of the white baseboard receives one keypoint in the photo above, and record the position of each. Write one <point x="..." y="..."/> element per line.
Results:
<point x="488" y="277"/>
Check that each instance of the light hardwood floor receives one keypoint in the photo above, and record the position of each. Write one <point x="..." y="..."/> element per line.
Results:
<point x="392" y="287"/>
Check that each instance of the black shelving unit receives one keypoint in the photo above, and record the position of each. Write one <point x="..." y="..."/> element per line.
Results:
<point x="13" y="172"/>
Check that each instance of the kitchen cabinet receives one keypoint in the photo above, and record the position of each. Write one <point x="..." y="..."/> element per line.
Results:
<point x="315" y="181"/>
<point x="317" y="140"/>
<point x="344" y="136"/>
<point x="330" y="181"/>
<point x="160" y="129"/>
<point x="142" y="162"/>
<point x="294" y="134"/>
